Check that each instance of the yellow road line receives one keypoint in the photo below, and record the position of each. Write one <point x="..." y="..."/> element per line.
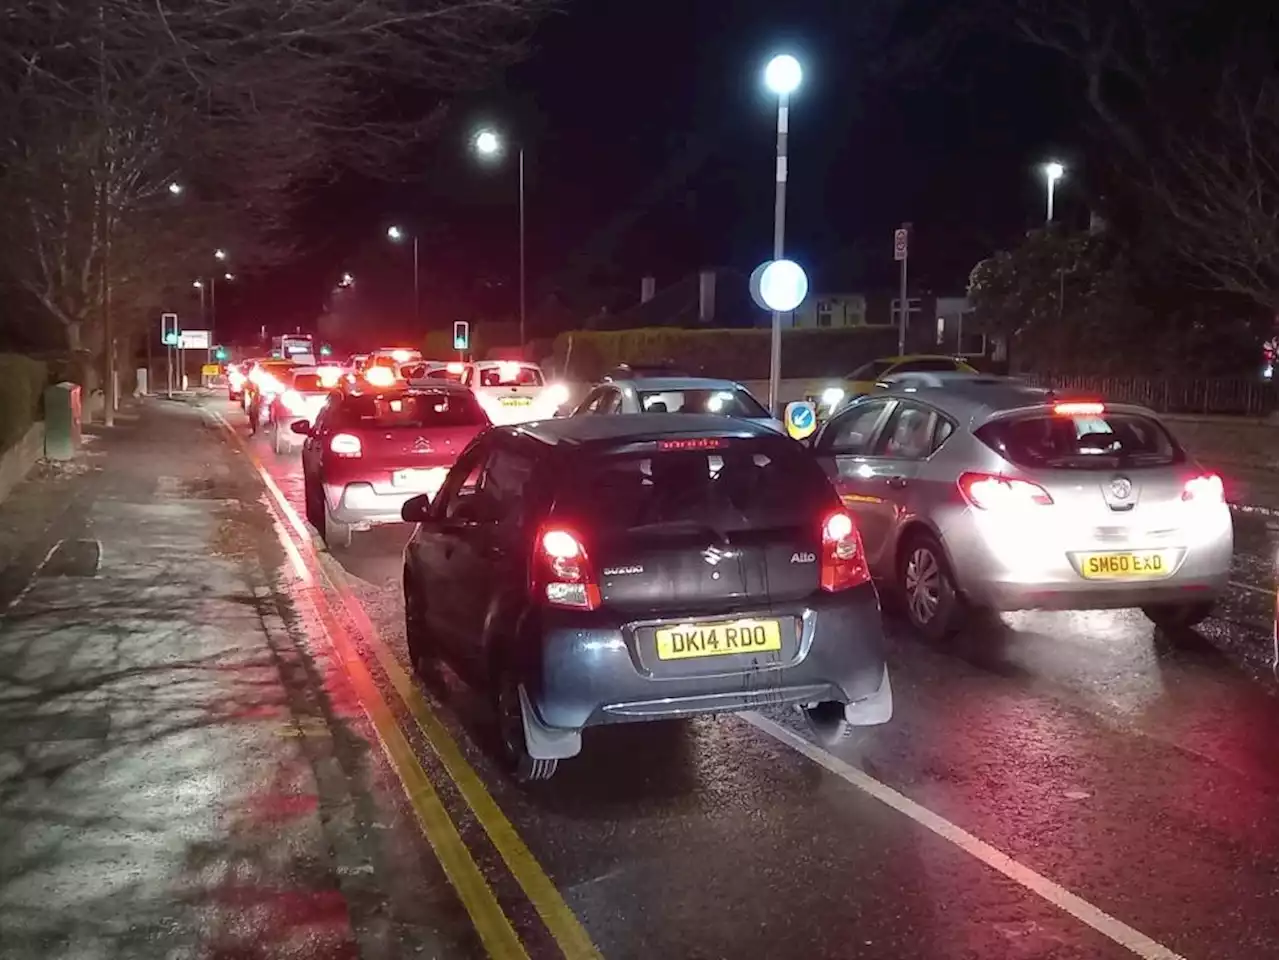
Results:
<point x="560" y="921"/>
<point x="491" y="924"/>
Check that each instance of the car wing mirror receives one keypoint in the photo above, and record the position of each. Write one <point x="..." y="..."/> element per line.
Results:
<point x="301" y="427"/>
<point x="416" y="509"/>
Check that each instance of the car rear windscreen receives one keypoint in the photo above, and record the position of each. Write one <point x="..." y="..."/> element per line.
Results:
<point x="510" y="377"/>
<point x="308" y="383"/>
<point x="1106" y="441"/>
<point x="422" y="411"/>
<point x="729" y="403"/>
<point x="744" y="485"/>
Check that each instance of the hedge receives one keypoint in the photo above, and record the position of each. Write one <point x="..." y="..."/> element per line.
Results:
<point x="741" y="354"/>
<point x="22" y="383"/>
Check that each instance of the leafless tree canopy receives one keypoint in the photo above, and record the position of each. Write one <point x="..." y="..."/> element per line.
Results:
<point x="1186" y="101"/>
<point x="104" y="103"/>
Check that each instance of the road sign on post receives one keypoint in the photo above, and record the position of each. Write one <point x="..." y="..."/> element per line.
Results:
<point x="169" y="329"/>
<point x="900" y="239"/>
<point x="461" y="335"/>
<point x="193" y="340"/>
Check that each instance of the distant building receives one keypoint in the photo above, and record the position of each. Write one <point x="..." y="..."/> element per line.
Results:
<point x="832" y="311"/>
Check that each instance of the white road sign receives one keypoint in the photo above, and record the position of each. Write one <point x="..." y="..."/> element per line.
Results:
<point x="193" y="340"/>
<point x="900" y="244"/>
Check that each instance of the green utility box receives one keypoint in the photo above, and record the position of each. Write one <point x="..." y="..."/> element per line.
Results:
<point x="61" y="421"/>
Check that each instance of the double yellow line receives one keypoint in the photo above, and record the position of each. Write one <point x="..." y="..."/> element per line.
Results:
<point x="491" y="923"/>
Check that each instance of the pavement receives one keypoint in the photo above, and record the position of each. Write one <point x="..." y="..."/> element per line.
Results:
<point x="211" y="746"/>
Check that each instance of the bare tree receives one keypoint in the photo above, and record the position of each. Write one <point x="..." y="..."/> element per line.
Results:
<point x="105" y="105"/>
<point x="1186" y="99"/>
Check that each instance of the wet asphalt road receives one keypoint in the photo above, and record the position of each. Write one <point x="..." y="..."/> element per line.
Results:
<point x="194" y="764"/>
<point x="1137" y="771"/>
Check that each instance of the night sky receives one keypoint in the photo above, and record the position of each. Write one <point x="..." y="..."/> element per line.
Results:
<point x="649" y="146"/>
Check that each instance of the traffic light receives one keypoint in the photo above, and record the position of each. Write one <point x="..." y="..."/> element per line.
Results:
<point x="220" y="353"/>
<point x="461" y="335"/>
<point x="325" y="350"/>
<point x="169" y="329"/>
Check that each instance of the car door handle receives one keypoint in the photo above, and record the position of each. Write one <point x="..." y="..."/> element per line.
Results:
<point x="896" y="482"/>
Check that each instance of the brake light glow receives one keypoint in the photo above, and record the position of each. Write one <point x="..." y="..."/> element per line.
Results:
<point x="453" y="367"/>
<point x="693" y="443"/>
<point x="380" y="376"/>
<point x="508" y="370"/>
<point x="1078" y="409"/>
<point x="237" y="378"/>
<point x="843" y="563"/>
<point x="293" y="402"/>
<point x="269" y="385"/>
<point x="988" y="492"/>
<point x="329" y="376"/>
<point x="562" y="573"/>
<point x="556" y="394"/>
<point x="345" y="445"/>
<point x="401" y="356"/>
<point x="1206" y="488"/>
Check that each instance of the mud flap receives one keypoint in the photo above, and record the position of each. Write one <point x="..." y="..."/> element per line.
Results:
<point x="543" y="742"/>
<point x="872" y="710"/>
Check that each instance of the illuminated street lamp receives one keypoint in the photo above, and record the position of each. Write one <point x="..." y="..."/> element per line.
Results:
<point x="220" y="255"/>
<point x="176" y="188"/>
<point x="1053" y="172"/>
<point x="346" y="280"/>
<point x="397" y="235"/>
<point x="488" y="144"/>
<point x="782" y="77"/>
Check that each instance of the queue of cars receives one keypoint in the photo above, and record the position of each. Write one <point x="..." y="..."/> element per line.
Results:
<point x="666" y="550"/>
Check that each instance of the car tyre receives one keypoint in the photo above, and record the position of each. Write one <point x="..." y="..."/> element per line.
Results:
<point x="417" y="639"/>
<point x="515" y="750"/>
<point x="927" y="590"/>
<point x="827" y="723"/>
<point x="1178" y="616"/>
<point x="337" y="535"/>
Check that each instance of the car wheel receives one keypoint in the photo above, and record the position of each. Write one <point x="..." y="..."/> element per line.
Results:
<point x="929" y="596"/>
<point x="415" y="628"/>
<point x="1178" y="616"/>
<point x="515" y="749"/>
<point x="827" y="722"/>
<point x="337" y="535"/>
<point x="309" y="499"/>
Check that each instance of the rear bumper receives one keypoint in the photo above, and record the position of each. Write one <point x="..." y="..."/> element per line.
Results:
<point x="361" y="506"/>
<point x="595" y="668"/>
<point x="1024" y="571"/>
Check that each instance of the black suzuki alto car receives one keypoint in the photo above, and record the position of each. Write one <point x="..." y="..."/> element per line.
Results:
<point x="597" y="570"/>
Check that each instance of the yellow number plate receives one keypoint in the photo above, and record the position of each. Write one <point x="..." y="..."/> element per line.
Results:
<point x="717" y="639"/>
<point x="1134" y="565"/>
<point x="514" y="401"/>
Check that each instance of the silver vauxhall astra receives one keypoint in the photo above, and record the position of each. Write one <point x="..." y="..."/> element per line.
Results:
<point x="974" y="491"/>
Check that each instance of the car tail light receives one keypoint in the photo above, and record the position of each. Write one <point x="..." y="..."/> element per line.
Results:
<point x="345" y="445"/>
<point x="1079" y="409"/>
<point x="293" y="402"/>
<point x="380" y="376"/>
<point x="562" y="571"/>
<point x="329" y="376"/>
<point x="1206" y="488"/>
<point x="843" y="563"/>
<point x="988" y="492"/>
<point x="453" y="368"/>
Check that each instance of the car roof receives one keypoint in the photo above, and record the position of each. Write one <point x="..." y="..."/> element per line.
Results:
<point x="636" y="427"/>
<point x="681" y="383"/>
<point x="415" y="387"/>
<point x="489" y="364"/>
<point x="970" y="399"/>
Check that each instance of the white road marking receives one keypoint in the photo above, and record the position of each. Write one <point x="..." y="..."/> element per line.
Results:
<point x="1111" y="928"/>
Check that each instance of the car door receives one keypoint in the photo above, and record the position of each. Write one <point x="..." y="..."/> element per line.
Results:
<point x="591" y="403"/>
<point x="906" y="439"/>
<point x="313" y="447"/>
<point x="845" y="447"/>
<point x="434" y="545"/>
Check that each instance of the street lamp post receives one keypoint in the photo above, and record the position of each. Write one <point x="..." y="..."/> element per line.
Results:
<point x="489" y="144"/>
<point x="782" y="76"/>
<point x="1052" y="174"/>
<point x="397" y="235"/>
